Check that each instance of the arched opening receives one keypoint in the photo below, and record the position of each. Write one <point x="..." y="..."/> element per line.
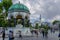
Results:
<point x="19" y="19"/>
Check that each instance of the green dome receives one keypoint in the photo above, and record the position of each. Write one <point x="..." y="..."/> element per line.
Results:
<point x="18" y="8"/>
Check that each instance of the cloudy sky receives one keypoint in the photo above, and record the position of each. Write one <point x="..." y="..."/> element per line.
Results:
<point x="49" y="9"/>
<point x="0" y="0"/>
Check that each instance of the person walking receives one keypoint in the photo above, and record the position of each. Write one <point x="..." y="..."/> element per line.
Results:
<point x="46" y="33"/>
<point x="3" y="33"/>
<point x="20" y="36"/>
<point x="51" y="30"/>
<point x="11" y="36"/>
<point x="59" y="36"/>
<point x="43" y="33"/>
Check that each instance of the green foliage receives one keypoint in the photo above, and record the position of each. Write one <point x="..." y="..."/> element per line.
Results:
<point x="1" y="16"/>
<point x="0" y="10"/>
<point x="36" y="26"/>
<point x="40" y="26"/>
<point x="3" y="23"/>
<point x="46" y="28"/>
<point x="7" y="4"/>
<point x="12" y="24"/>
<point x="1" y="5"/>
<point x="55" y="21"/>
<point x="30" y="25"/>
<point x="26" y="22"/>
<point x="12" y="21"/>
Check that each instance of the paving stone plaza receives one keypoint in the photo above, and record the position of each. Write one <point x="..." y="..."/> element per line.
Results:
<point x="27" y="20"/>
<point x="51" y="36"/>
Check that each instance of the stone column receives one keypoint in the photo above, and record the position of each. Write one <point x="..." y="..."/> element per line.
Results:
<point x="28" y="17"/>
<point x="15" y="22"/>
<point x="28" y="23"/>
<point x="23" y="22"/>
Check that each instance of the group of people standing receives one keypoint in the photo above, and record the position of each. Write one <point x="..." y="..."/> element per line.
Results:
<point x="44" y="33"/>
<point x="10" y="35"/>
<point x="42" y="30"/>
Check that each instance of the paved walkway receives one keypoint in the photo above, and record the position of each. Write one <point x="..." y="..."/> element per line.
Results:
<point x="51" y="36"/>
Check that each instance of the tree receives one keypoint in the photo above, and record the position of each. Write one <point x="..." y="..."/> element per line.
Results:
<point x="36" y="26"/>
<point x="6" y="5"/>
<point x="1" y="19"/>
<point x="4" y="23"/>
<point x="1" y="5"/>
<point x="27" y="22"/>
<point x="55" y="21"/>
<point x="30" y="25"/>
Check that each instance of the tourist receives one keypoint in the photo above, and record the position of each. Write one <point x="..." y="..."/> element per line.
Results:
<point x="51" y="30"/>
<point x="20" y="36"/>
<point x="36" y="32"/>
<point x="59" y="36"/>
<point x="43" y="33"/>
<point x="11" y="36"/>
<point x="46" y="33"/>
<point x="3" y="33"/>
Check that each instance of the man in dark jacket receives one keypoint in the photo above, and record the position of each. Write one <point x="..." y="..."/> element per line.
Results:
<point x="3" y="33"/>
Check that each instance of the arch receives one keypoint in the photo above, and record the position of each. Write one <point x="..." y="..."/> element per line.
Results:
<point x="19" y="17"/>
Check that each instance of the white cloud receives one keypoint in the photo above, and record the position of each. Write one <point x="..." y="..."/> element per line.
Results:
<point x="49" y="9"/>
<point x="56" y="17"/>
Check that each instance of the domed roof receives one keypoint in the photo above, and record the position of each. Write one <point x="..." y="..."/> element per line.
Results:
<point x="18" y="7"/>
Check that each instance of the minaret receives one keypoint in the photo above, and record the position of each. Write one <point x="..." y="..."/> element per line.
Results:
<point x="40" y="19"/>
<point x="19" y="2"/>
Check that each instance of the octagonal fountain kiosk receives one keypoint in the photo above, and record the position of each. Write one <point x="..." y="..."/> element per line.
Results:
<point x="19" y="12"/>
